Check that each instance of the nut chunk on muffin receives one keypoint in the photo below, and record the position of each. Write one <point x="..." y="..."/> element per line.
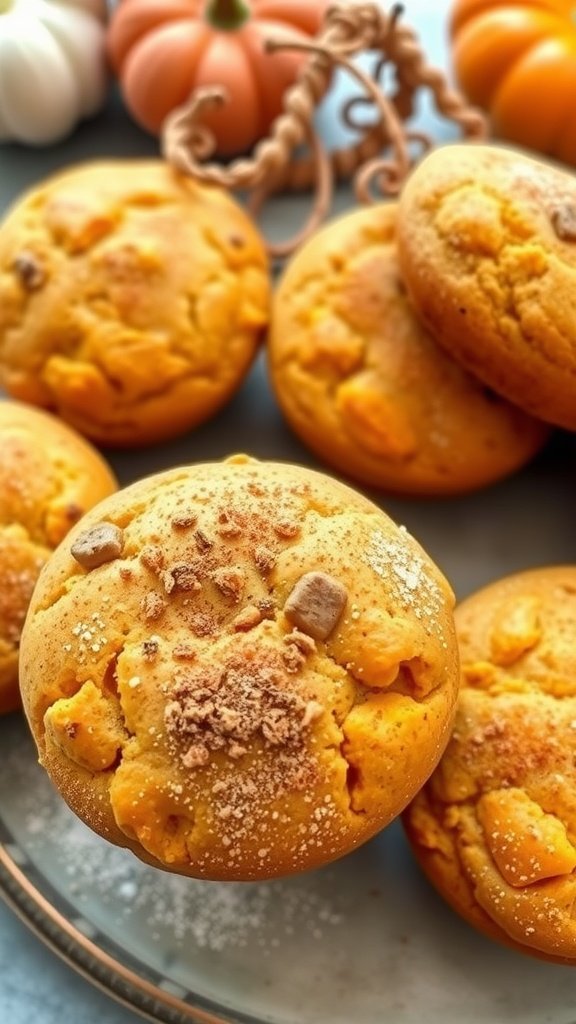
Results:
<point x="239" y="671"/>
<point x="49" y="477"/>
<point x="132" y="300"/>
<point x="495" y="826"/>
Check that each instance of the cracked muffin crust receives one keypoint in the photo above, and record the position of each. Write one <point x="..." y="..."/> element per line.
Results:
<point x="364" y="385"/>
<point x="487" y="244"/>
<point x="495" y="826"/>
<point x="49" y="477"/>
<point x="132" y="300"/>
<point x="256" y="677"/>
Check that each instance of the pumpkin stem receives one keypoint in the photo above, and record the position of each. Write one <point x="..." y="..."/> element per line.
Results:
<point x="225" y="14"/>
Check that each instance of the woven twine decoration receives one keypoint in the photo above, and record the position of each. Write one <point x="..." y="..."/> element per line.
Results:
<point x="349" y="29"/>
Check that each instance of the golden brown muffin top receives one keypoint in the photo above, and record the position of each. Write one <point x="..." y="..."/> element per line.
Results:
<point x="245" y="669"/>
<point x="487" y="246"/>
<point x="132" y="299"/>
<point x="49" y="477"/>
<point x="504" y="793"/>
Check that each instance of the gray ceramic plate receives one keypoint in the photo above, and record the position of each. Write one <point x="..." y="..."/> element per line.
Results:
<point x="365" y="940"/>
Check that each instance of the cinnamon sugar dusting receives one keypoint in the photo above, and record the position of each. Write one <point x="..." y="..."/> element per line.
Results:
<point x="229" y="709"/>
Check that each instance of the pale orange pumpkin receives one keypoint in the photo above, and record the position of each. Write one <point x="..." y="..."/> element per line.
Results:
<point x="517" y="60"/>
<point x="163" y="49"/>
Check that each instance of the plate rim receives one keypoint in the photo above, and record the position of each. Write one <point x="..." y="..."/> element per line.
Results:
<point x="99" y="967"/>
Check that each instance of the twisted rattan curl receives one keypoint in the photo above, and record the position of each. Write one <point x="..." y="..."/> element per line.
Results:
<point x="349" y="29"/>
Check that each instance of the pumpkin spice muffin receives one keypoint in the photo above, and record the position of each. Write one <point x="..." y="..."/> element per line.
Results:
<point x="495" y="827"/>
<point x="364" y="385"/>
<point x="487" y="244"/>
<point x="49" y="477"/>
<point x="132" y="300"/>
<point x="239" y="671"/>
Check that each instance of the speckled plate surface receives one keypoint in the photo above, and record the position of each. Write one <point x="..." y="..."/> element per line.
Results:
<point x="364" y="940"/>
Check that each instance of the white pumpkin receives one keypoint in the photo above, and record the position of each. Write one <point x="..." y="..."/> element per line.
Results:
<point x="52" y="67"/>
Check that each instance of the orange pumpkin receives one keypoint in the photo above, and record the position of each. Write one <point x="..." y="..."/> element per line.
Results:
<point x="163" y="49"/>
<point x="517" y="60"/>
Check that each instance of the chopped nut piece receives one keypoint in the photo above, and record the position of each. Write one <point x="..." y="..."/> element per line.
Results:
<point x="265" y="558"/>
<point x="184" y="520"/>
<point x="98" y="545"/>
<point x="302" y="641"/>
<point x="29" y="271"/>
<point x="203" y="543"/>
<point x="196" y="756"/>
<point x="287" y="528"/>
<point x="316" y="604"/>
<point x="247" y="619"/>
<point x="563" y="219"/>
<point x="202" y="624"/>
<point x="153" y="606"/>
<point x="184" y="652"/>
<point x="230" y="582"/>
<point x="152" y="557"/>
<point x="268" y="607"/>
<point x="293" y="659"/>
<point x="149" y="649"/>
<point x="181" y="577"/>
<point x="228" y="525"/>
<point x="298" y="647"/>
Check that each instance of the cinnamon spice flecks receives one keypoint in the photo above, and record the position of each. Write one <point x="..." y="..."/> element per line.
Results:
<point x="229" y="709"/>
